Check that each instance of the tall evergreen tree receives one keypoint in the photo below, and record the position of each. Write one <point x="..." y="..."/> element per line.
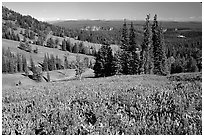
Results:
<point x="58" y="63"/>
<point x="160" y="60"/>
<point x="68" y="46"/>
<point x="132" y="42"/>
<point x="19" y="63"/>
<point x="110" y="65"/>
<point x="147" y="52"/>
<point x="25" y="67"/>
<point x="117" y="60"/>
<point x="64" y="45"/>
<point x="66" y="63"/>
<point x="105" y="65"/>
<point x="135" y="63"/>
<point x="4" y="64"/>
<point x="124" y="36"/>
<point x="11" y="65"/>
<point x="52" y="62"/>
<point x="45" y="63"/>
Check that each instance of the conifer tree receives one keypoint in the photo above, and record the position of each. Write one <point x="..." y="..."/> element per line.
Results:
<point x="68" y="46"/>
<point x="45" y="63"/>
<point x="117" y="60"/>
<point x="64" y="45"/>
<point x="105" y="63"/>
<point x="19" y="63"/>
<point x="11" y="65"/>
<point x="147" y="52"/>
<point x="110" y="65"/>
<point x="132" y="42"/>
<point x="66" y="64"/>
<point x="135" y="63"/>
<point x="52" y="62"/>
<point x="58" y="63"/>
<point x="99" y="68"/>
<point x="25" y="67"/>
<point x="124" y="36"/>
<point x="160" y="60"/>
<point x="4" y="64"/>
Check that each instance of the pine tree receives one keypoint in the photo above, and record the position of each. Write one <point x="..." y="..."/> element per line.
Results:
<point x="64" y="45"/>
<point x="11" y="65"/>
<point x="105" y="63"/>
<point x="19" y="63"/>
<point x="58" y="63"/>
<point x="4" y="64"/>
<point x="25" y="67"/>
<point x="45" y="63"/>
<point x="117" y="60"/>
<point x="124" y="37"/>
<point x="66" y="63"/>
<point x="132" y="42"/>
<point x="160" y="60"/>
<point x="52" y="62"/>
<point x="125" y="53"/>
<point x="99" y="67"/>
<point x="110" y="65"/>
<point x="68" y="46"/>
<point x="147" y="52"/>
<point x="135" y="63"/>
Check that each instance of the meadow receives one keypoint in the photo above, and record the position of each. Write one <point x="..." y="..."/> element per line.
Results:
<point x="117" y="105"/>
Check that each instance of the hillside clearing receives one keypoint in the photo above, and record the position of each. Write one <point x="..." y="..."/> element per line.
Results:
<point x="13" y="45"/>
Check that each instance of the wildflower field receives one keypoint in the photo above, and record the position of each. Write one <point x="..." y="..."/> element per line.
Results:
<point x="137" y="104"/>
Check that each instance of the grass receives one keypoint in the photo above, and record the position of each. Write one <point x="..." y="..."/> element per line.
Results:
<point x="140" y="104"/>
<point x="10" y="80"/>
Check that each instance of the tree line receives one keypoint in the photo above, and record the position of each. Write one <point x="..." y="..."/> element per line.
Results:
<point x="148" y="58"/>
<point x="13" y="63"/>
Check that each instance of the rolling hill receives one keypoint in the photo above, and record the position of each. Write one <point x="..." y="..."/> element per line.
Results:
<point x="13" y="45"/>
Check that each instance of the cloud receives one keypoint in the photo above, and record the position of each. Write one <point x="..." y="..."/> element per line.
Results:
<point x="192" y="17"/>
<point x="48" y="19"/>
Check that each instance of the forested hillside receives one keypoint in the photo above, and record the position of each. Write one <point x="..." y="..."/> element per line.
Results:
<point x="183" y="44"/>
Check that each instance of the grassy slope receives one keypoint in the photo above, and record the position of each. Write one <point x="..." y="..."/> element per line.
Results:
<point x="10" y="80"/>
<point x="41" y="51"/>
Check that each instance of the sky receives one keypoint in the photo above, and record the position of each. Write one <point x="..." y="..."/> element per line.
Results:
<point x="166" y="11"/>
